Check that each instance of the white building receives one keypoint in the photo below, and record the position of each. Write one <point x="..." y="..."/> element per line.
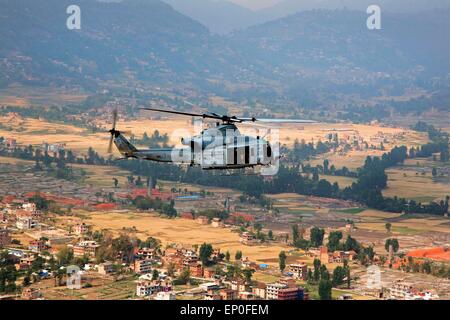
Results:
<point x="272" y="290"/>
<point x="25" y="223"/>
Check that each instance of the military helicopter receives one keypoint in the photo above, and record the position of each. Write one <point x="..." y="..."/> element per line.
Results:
<point x="222" y="147"/>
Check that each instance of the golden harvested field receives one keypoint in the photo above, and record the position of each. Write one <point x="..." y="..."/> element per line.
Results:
<point x="374" y="220"/>
<point x="420" y="188"/>
<point x="102" y="176"/>
<point x="342" y="181"/>
<point x="21" y="96"/>
<point x="352" y="160"/>
<point x="14" y="161"/>
<point x="32" y="131"/>
<point x="182" y="231"/>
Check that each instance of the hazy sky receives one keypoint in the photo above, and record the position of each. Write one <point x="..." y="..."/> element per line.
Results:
<point x="256" y="4"/>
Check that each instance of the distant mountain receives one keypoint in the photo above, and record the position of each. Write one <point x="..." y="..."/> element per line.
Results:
<point x="288" y="7"/>
<point x="144" y="37"/>
<point x="313" y="56"/>
<point x="219" y="16"/>
<point x="325" y="51"/>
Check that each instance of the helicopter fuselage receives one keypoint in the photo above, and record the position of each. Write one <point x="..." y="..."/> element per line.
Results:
<point x="222" y="147"/>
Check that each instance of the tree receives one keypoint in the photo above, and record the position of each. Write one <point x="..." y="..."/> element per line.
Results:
<point x="339" y="273"/>
<point x="333" y="240"/>
<point x="282" y="260"/>
<point x="316" y="274"/>
<point x="205" y="253"/>
<point x="227" y="256"/>
<point x="171" y="268"/>
<point x="316" y="236"/>
<point x="116" y="182"/>
<point x="295" y="233"/>
<point x="351" y="244"/>
<point x="324" y="274"/>
<point x="64" y="256"/>
<point x="155" y="274"/>
<point x="270" y="235"/>
<point x="185" y="276"/>
<point x="388" y="227"/>
<point x="238" y="255"/>
<point x="325" y="287"/>
<point x="393" y="242"/>
<point x="248" y="273"/>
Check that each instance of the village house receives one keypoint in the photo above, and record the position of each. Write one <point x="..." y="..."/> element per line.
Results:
<point x="209" y="286"/>
<point x="272" y="290"/>
<point x="259" y="290"/>
<point x="173" y="256"/>
<point x="217" y="223"/>
<point x="142" y="266"/>
<point x="145" y="253"/>
<point x="105" y="268"/>
<point x="247" y="296"/>
<point x="81" y="229"/>
<point x="196" y="270"/>
<point x="202" y="220"/>
<point x="228" y="294"/>
<point x="30" y="293"/>
<point x="400" y="290"/>
<point x="289" y="282"/>
<point x="190" y="258"/>
<point x="336" y="256"/>
<point x="212" y="296"/>
<point x="247" y="264"/>
<point x="37" y="246"/>
<point x="88" y="248"/>
<point x="239" y="285"/>
<point x="293" y="293"/>
<point x="246" y="238"/>
<point x="146" y="288"/>
<point x="25" y="262"/>
<point x="26" y="223"/>
<point x="300" y="270"/>
<point x="5" y="238"/>
<point x="208" y="273"/>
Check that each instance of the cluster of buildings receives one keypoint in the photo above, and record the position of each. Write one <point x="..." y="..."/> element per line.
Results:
<point x="337" y="256"/>
<point x="284" y="289"/>
<point x="400" y="290"/>
<point x="24" y="215"/>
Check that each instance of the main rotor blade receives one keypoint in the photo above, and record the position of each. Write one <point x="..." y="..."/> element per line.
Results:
<point x="114" y="119"/>
<point x="110" y="143"/>
<point x="203" y="115"/>
<point x="276" y="120"/>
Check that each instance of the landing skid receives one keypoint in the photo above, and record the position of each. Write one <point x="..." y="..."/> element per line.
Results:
<point x="239" y="172"/>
